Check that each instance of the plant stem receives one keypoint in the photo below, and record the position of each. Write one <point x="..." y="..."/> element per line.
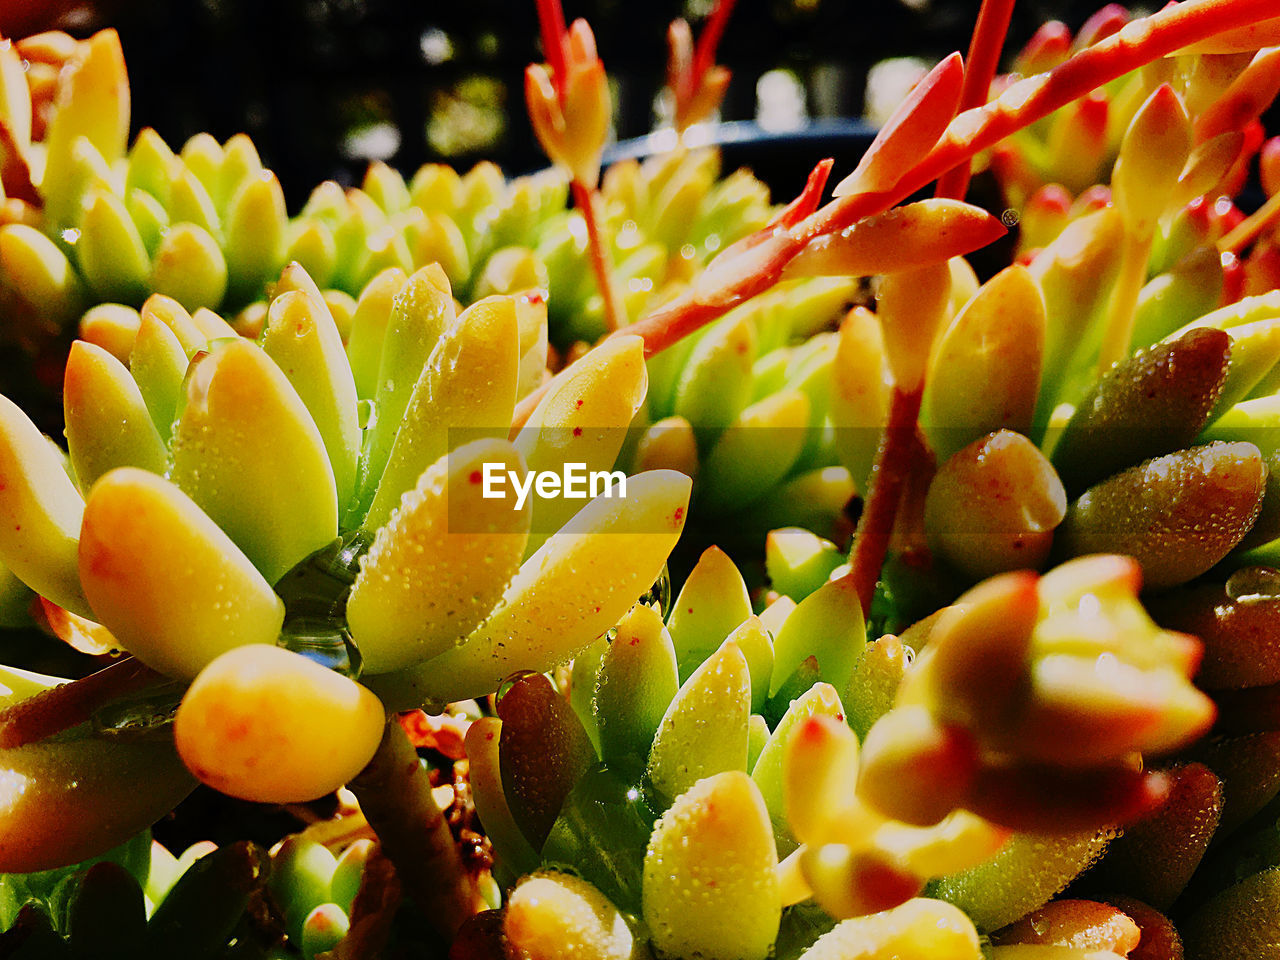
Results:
<point x="587" y="201"/>
<point x="395" y="796"/>
<point x="908" y="529"/>
<point x="1118" y="328"/>
<point x="551" y="22"/>
<point x="979" y="70"/>
<point x="1246" y="230"/>
<point x="1141" y="42"/>
<point x="704" y="51"/>
<point x="888" y="476"/>
<point x="70" y="704"/>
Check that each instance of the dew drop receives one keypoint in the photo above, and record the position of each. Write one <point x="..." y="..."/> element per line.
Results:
<point x="1016" y="96"/>
<point x="1254" y="585"/>
<point x="505" y="687"/>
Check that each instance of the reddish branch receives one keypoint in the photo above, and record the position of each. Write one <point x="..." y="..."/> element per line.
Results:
<point x="551" y="24"/>
<point x="554" y="40"/>
<point x="65" y="706"/>
<point x="584" y="198"/>
<point x="980" y="70"/>
<point x="704" y="52"/>
<point x="888" y="478"/>
<point x="1135" y="45"/>
<point x="395" y="795"/>
<point x="757" y="262"/>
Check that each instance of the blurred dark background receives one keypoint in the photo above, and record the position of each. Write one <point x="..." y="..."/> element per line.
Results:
<point x="323" y="86"/>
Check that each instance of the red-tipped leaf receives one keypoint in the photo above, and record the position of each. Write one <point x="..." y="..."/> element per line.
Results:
<point x="912" y="130"/>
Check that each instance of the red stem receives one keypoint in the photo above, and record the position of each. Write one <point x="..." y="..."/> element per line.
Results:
<point x="551" y="22"/>
<point x="980" y="69"/>
<point x="584" y="198"/>
<point x="704" y="51"/>
<point x="1134" y="46"/>
<point x="1139" y="43"/>
<point x="888" y="477"/>
<point x="62" y="707"/>
<point x="1249" y="228"/>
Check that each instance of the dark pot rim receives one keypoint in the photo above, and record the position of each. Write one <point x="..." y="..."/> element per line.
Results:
<point x="781" y="158"/>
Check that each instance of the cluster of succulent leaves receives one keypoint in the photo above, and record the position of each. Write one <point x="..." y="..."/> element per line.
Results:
<point x="776" y="408"/>
<point x="668" y="215"/>
<point x="1165" y="457"/>
<point x="744" y="407"/>
<point x="108" y="223"/>
<point x="1073" y="149"/>
<point x="205" y="226"/>
<point x="491" y="235"/>
<point x="138" y="899"/>
<point x="711" y="763"/>
<point x="1052" y="184"/>
<point x="197" y="516"/>
<point x="1162" y="452"/>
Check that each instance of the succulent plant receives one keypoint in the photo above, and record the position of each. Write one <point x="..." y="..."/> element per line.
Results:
<point x="227" y="481"/>
<point x="205" y="226"/>
<point x="1047" y="443"/>
<point x="713" y="762"/>
<point x="1226" y="90"/>
<point x="90" y="224"/>
<point x="283" y="517"/>
<point x="770" y="409"/>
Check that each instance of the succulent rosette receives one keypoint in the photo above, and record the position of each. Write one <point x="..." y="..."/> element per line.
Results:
<point x="713" y="761"/>
<point x="224" y="499"/>
<point x="92" y="222"/>
<point x="665" y="218"/>
<point x="776" y="408"/>
<point x="102" y="223"/>
<point x="743" y="407"/>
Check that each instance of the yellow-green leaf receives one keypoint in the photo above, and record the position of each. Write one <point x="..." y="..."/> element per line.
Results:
<point x="40" y="512"/>
<point x="710" y="884"/>
<point x="576" y="586"/>
<point x="168" y="584"/>
<point x="246" y="450"/>
<point x="108" y="424"/>
<point x="442" y="562"/>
